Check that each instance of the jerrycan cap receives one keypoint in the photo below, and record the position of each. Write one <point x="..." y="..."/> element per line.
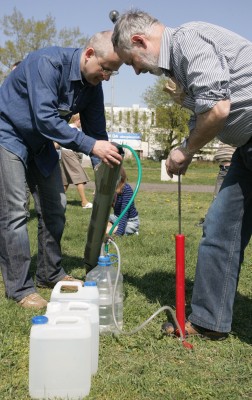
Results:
<point x="104" y="261"/>
<point x="39" y="319"/>
<point x="90" y="283"/>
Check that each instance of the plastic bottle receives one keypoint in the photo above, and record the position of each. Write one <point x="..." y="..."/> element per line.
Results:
<point x="84" y="310"/>
<point x="104" y="274"/>
<point x="60" y="358"/>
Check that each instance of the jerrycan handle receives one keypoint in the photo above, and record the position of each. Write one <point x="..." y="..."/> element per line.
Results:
<point x="58" y="286"/>
<point x="77" y="305"/>
<point x="61" y="319"/>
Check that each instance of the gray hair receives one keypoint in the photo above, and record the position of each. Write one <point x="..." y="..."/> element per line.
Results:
<point x="131" y="23"/>
<point x="101" y="43"/>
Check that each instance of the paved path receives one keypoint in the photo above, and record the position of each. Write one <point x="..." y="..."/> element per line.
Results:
<point x="166" y="187"/>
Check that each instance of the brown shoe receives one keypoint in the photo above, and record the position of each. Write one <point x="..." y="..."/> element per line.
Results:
<point x="33" y="300"/>
<point x="195" y="330"/>
<point x="50" y="285"/>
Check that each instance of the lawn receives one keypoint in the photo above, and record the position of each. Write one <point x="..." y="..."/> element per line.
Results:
<point x="147" y="365"/>
<point x="200" y="173"/>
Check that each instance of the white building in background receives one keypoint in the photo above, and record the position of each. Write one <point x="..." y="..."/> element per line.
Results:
<point x="133" y="126"/>
<point x="136" y="127"/>
<point x="130" y="126"/>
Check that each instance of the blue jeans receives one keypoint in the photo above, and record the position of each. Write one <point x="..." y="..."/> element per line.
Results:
<point x="50" y="203"/>
<point x="132" y="225"/>
<point x="226" y="233"/>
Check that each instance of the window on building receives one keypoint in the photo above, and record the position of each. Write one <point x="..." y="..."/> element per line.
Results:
<point x="153" y="118"/>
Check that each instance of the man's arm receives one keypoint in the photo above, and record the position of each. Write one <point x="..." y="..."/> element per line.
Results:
<point x="208" y="126"/>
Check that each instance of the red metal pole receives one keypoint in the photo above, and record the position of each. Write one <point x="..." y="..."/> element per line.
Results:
<point x="180" y="281"/>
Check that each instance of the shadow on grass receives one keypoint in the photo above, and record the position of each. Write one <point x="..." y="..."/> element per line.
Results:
<point x="160" y="286"/>
<point x="157" y="286"/>
<point x="74" y="203"/>
<point x="242" y="318"/>
<point x="69" y="264"/>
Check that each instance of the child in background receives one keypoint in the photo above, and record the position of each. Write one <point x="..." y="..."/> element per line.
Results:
<point x="129" y="224"/>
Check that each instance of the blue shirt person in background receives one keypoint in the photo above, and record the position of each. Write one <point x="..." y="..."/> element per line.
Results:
<point x="209" y="71"/>
<point x="129" y="223"/>
<point x="37" y="100"/>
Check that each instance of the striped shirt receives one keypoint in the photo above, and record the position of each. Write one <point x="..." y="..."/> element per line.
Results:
<point x="212" y="64"/>
<point x="122" y="200"/>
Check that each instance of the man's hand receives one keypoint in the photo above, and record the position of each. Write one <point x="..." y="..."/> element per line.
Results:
<point x="177" y="162"/>
<point x="208" y="125"/>
<point x="107" y="152"/>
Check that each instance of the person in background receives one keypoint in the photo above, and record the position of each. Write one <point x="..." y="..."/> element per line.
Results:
<point x="71" y="170"/>
<point x="37" y="100"/>
<point x="129" y="223"/>
<point x="208" y="71"/>
<point x="223" y="156"/>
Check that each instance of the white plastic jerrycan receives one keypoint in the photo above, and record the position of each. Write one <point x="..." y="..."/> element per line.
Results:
<point x="88" y="292"/>
<point x="84" y="310"/>
<point x="60" y="357"/>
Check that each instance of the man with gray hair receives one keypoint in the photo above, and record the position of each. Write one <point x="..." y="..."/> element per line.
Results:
<point x="37" y="100"/>
<point x="209" y="71"/>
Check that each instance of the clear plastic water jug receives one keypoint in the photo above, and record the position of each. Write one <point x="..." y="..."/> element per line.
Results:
<point x="104" y="274"/>
<point x="60" y="358"/>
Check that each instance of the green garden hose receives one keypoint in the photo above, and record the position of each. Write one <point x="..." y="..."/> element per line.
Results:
<point x="139" y="167"/>
<point x="139" y="178"/>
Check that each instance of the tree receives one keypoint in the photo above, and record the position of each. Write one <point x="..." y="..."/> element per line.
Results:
<point x="171" y="119"/>
<point x="29" y="35"/>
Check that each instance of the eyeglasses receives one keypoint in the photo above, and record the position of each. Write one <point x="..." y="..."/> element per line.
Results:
<point x="106" y="72"/>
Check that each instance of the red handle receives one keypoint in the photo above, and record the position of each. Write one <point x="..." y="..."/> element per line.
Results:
<point x="180" y="281"/>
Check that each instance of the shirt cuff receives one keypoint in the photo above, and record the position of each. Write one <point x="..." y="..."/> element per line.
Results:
<point x="87" y="144"/>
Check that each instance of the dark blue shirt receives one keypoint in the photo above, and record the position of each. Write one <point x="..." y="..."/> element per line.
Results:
<point x="37" y="100"/>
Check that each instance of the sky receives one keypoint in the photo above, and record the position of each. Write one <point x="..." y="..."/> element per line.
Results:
<point x="92" y="16"/>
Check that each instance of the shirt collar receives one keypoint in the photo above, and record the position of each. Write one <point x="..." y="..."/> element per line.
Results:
<point x="164" y="61"/>
<point x="75" y="72"/>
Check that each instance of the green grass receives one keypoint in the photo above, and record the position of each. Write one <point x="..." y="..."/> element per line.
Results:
<point x="199" y="173"/>
<point x="147" y="365"/>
